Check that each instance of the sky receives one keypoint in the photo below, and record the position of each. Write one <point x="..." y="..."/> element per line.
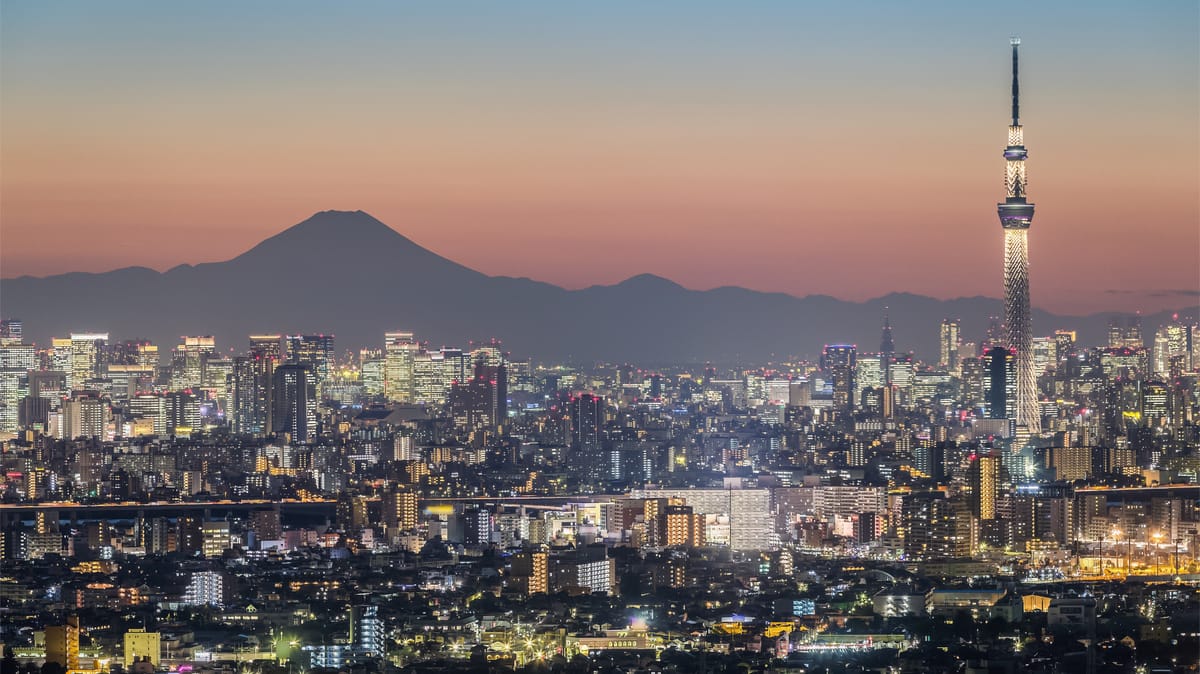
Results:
<point x="847" y="149"/>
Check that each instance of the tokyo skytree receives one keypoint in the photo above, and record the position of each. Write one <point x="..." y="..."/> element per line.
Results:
<point x="1016" y="214"/>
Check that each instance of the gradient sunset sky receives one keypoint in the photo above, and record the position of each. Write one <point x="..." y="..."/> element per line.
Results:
<point x="848" y="149"/>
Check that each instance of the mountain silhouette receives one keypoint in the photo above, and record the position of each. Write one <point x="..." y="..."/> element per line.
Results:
<point x="349" y="274"/>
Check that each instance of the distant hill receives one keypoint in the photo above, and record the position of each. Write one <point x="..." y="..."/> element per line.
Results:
<point x="349" y="274"/>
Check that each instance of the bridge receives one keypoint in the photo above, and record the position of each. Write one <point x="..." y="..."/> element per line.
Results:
<point x="289" y="509"/>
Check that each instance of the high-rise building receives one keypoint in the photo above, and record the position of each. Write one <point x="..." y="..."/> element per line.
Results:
<point x="1016" y="214"/>
<point x="1172" y="349"/>
<point x="1000" y="379"/>
<point x="948" y="340"/>
<point x="16" y="360"/>
<point x="868" y="373"/>
<point x="314" y="352"/>
<point x="12" y="331"/>
<point x="399" y="349"/>
<point x="985" y="486"/>
<point x="188" y="361"/>
<point x="1064" y="348"/>
<point x="253" y="385"/>
<point x="85" y="416"/>
<point x="86" y="357"/>
<point x="294" y="403"/>
<point x="900" y="376"/>
<point x="1125" y="334"/>
<point x="400" y="509"/>
<point x="587" y="423"/>
<point x="371" y="370"/>
<point x="838" y="361"/>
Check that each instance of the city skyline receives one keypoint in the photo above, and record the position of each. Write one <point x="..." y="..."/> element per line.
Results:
<point x="696" y="166"/>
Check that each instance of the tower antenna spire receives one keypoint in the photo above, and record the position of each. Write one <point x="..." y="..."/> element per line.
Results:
<point x="1016" y="88"/>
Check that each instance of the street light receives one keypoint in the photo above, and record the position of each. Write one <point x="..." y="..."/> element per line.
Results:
<point x="1157" y="537"/>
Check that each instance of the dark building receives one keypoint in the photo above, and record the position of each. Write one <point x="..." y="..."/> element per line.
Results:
<point x="1001" y="375"/>
<point x="839" y="361"/>
<point x="294" y="403"/>
<point x="587" y="424"/>
<point x="480" y="403"/>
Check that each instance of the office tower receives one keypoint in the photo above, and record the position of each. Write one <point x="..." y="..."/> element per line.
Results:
<point x="1016" y="214"/>
<point x="1043" y="355"/>
<point x="86" y="357"/>
<point x="188" y="361"/>
<point x="253" y="385"/>
<point x="1172" y="349"/>
<point x="12" y="331"/>
<point x="491" y="352"/>
<point x="16" y="360"/>
<point x="478" y="404"/>
<point x="1125" y="334"/>
<point x="371" y="371"/>
<point x="181" y="410"/>
<point x="900" y="376"/>
<point x="586" y="413"/>
<point x="1064" y="348"/>
<point x="217" y="384"/>
<point x="60" y="357"/>
<point x="434" y="372"/>
<point x="973" y="382"/>
<point x="294" y="405"/>
<point x="85" y="416"/>
<point x="399" y="349"/>
<point x="868" y="372"/>
<point x="948" y="339"/>
<point x="1156" y="403"/>
<point x="838" y="361"/>
<point x="587" y="420"/>
<point x="490" y="363"/>
<point x="999" y="367"/>
<point x="314" y="352"/>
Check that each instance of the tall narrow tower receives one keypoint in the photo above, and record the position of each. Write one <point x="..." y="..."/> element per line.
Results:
<point x="1015" y="216"/>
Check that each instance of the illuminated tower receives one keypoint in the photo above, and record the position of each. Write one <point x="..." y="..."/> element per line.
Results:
<point x="1015" y="215"/>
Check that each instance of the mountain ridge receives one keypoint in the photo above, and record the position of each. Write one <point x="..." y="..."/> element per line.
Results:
<point x="348" y="273"/>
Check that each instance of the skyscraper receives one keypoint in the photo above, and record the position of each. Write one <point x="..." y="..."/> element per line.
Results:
<point x="949" y="345"/>
<point x="1016" y="214"/>
<point x="294" y="402"/>
<point x="399" y="349"/>
<point x="314" y="352"/>
<point x="838" y="360"/>
<point x="1000" y="382"/>
<point x="86" y="357"/>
